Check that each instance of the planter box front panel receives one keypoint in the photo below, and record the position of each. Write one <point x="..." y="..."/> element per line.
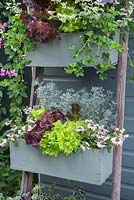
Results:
<point x="56" y="53"/>
<point x="91" y="166"/>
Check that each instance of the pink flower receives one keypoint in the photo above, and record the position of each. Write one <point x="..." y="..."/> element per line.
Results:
<point x="30" y="128"/>
<point x="13" y="73"/>
<point x="123" y="137"/>
<point x="117" y="129"/>
<point x="3" y="143"/>
<point x="89" y="121"/>
<point x="106" y="138"/>
<point x="117" y="141"/>
<point x="93" y="128"/>
<point x="100" y="145"/>
<point x="126" y="136"/>
<point x="100" y="136"/>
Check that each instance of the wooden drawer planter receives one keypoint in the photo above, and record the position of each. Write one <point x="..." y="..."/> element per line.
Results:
<point x="56" y="53"/>
<point x="91" y="166"/>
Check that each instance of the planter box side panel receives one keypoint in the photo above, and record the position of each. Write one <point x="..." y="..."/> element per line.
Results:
<point x="57" y="53"/>
<point x="84" y="167"/>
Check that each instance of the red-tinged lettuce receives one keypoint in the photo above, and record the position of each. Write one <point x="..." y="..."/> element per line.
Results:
<point x="36" y="131"/>
<point x="39" y="27"/>
<point x="42" y="31"/>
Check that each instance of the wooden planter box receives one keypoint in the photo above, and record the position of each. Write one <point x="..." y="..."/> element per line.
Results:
<point x="91" y="166"/>
<point x="56" y="53"/>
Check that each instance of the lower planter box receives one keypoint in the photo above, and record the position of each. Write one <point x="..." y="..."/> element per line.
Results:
<point x="57" y="53"/>
<point x="90" y="166"/>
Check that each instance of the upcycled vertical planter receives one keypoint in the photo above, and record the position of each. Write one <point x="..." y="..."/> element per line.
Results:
<point x="57" y="53"/>
<point x="90" y="166"/>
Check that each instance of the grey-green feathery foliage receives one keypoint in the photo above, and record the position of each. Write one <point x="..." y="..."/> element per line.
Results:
<point x="97" y="103"/>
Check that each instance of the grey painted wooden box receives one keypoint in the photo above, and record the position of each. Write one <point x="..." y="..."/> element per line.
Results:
<point x="57" y="52"/>
<point x="90" y="166"/>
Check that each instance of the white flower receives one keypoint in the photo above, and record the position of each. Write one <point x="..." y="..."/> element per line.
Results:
<point x="8" y="123"/>
<point x="23" y="128"/>
<point x="83" y="148"/>
<point x="3" y="143"/>
<point x="80" y="128"/>
<point x="14" y="129"/>
<point x="27" y="111"/>
<point x="11" y="137"/>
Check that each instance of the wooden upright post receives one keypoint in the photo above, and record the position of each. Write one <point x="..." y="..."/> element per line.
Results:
<point x="27" y="177"/>
<point x="120" y="100"/>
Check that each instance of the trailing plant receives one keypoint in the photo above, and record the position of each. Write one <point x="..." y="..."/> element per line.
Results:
<point x="78" y="194"/>
<point x="97" y="103"/>
<point x="98" y="21"/>
<point x="14" y="44"/>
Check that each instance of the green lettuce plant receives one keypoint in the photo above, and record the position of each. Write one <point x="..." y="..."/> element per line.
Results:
<point x="62" y="139"/>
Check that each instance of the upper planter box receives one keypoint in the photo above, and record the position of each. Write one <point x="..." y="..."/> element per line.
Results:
<point x="56" y="53"/>
<point x="91" y="166"/>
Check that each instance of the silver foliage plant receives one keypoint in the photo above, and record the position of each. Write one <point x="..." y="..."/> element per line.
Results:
<point x="97" y="103"/>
